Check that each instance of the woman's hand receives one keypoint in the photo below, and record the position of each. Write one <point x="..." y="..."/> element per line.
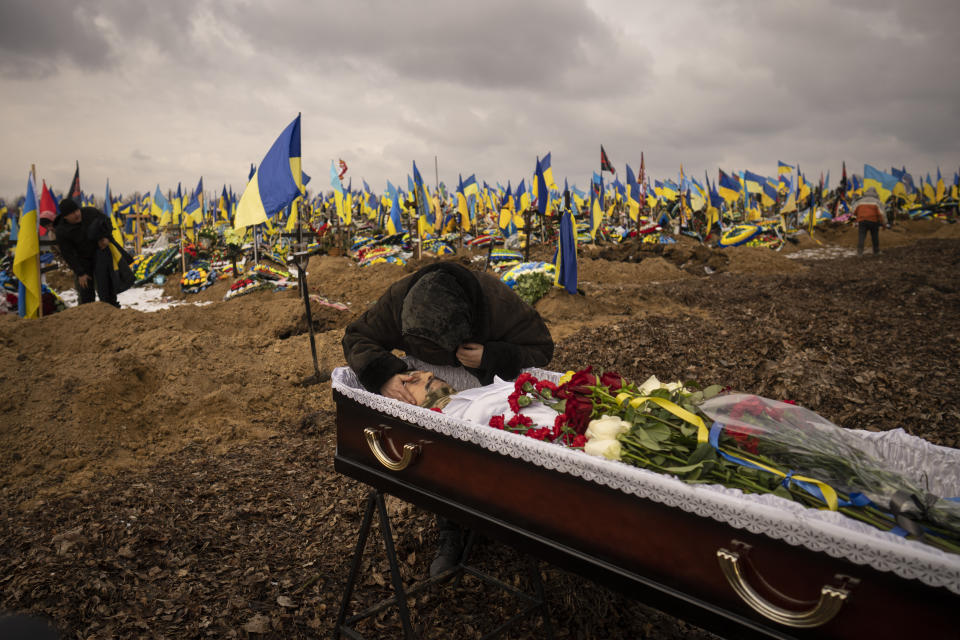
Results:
<point x="470" y="354"/>
<point x="396" y="388"/>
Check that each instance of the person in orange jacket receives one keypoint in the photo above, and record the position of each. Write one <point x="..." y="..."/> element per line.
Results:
<point x="870" y="214"/>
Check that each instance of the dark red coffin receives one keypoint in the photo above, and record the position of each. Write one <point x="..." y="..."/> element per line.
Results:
<point x="722" y="571"/>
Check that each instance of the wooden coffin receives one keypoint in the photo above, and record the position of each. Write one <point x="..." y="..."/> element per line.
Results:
<point x="727" y="572"/>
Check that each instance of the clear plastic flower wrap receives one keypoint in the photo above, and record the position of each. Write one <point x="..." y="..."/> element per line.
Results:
<point x="915" y="493"/>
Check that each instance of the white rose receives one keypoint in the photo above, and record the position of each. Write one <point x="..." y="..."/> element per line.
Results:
<point x="603" y="447"/>
<point x="652" y="384"/>
<point x="673" y="386"/>
<point x="606" y="428"/>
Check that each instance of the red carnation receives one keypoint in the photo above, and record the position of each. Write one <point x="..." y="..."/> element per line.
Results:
<point x="520" y="420"/>
<point x="497" y="422"/>
<point x="512" y="401"/>
<point x="543" y="386"/>
<point x="523" y="379"/>
<point x="579" y="442"/>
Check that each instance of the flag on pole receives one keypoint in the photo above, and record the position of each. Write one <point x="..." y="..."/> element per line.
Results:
<point x="194" y="209"/>
<point x="605" y="164"/>
<point x="26" y="263"/>
<point x="547" y="169"/>
<point x="74" y="192"/>
<point x="566" y="258"/>
<point x="394" y="219"/>
<point x="47" y="208"/>
<point x="543" y="195"/>
<point x="423" y="199"/>
<point x="275" y="183"/>
<point x="343" y="212"/>
<point x="161" y="207"/>
<point x="117" y="232"/>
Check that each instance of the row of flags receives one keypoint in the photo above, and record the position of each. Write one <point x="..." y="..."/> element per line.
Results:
<point x="277" y="186"/>
<point x="279" y="182"/>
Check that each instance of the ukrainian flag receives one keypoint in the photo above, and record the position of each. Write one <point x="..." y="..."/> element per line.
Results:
<point x="470" y="186"/>
<point x="193" y="212"/>
<point x="26" y="257"/>
<point x="547" y="171"/>
<point x="728" y="188"/>
<point x="883" y="182"/>
<point x="117" y="232"/>
<point x="543" y="195"/>
<point x="276" y="182"/>
<point x="754" y="182"/>
<point x="161" y="207"/>
<point x="423" y="198"/>
<point x="783" y="167"/>
<point x="769" y="196"/>
<point x="596" y="215"/>
<point x="394" y="220"/>
<point x="566" y="258"/>
<point x="343" y="213"/>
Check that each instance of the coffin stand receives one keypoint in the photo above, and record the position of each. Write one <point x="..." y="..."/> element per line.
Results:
<point x="727" y="579"/>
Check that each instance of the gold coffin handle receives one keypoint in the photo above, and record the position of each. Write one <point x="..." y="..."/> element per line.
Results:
<point x="410" y="451"/>
<point x="831" y="598"/>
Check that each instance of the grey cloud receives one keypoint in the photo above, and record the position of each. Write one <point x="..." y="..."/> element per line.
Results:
<point x="492" y="45"/>
<point x="35" y="37"/>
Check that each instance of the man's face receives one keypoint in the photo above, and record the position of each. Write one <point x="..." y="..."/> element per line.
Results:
<point x="423" y="382"/>
<point x="74" y="217"/>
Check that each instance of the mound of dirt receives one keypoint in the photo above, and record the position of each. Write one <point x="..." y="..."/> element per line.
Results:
<point x="108" y="387"/>
<point x="760" y="260"/>
<point x="339" y="279"/>
<point x="606" y="273"/>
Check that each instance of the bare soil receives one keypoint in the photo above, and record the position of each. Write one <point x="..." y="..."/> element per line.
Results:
<point x="167" y="474"/>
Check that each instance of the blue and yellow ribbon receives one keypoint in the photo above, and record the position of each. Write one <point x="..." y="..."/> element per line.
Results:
<point x="638" y="401"/>
<point x="820" y="490"/>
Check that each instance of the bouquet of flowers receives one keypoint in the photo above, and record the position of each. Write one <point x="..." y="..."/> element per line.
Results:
<point x="757" y="445"/>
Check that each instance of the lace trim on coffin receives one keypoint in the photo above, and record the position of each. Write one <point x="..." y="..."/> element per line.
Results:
<point x="822" y="531"/>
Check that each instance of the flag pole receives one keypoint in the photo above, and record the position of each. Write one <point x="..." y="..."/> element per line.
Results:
<point x="36" y="258"/>
<point x="304" y="290"/>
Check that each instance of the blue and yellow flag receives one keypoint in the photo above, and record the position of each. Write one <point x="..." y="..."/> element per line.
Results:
<point x="161" y="207"/>
<point x="275" y="183"/>
<point x="117" y="232"/>
<point x="566" y="258"/>
<point x="193" y="212"/>
<point x="394" y="222"/>
<point x="547" y="171"/>
<point x="882" y="181"/>
<point x="729" y="188"/>
<point x="177" y="206"/>
<point x="422" y="198"/>
<point x="26" y="263"/>
<point x="470" y="187"/>
<point x="543" y="194"/>
<point x="339" y="198"/>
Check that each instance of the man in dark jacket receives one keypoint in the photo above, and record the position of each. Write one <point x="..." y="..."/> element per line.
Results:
<point x="83" y="237"/>
<point x="445" y="314"/>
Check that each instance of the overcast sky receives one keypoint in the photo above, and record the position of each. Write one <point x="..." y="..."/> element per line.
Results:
<point x="164" y="91"/>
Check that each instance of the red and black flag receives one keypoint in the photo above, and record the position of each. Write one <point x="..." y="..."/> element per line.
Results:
<point x="74" y="192"/>
<point x="605" y="164"/>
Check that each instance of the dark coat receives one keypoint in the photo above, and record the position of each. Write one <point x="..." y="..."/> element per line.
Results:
<point x="78" y="242"/>
<point x="512" y="333"/>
